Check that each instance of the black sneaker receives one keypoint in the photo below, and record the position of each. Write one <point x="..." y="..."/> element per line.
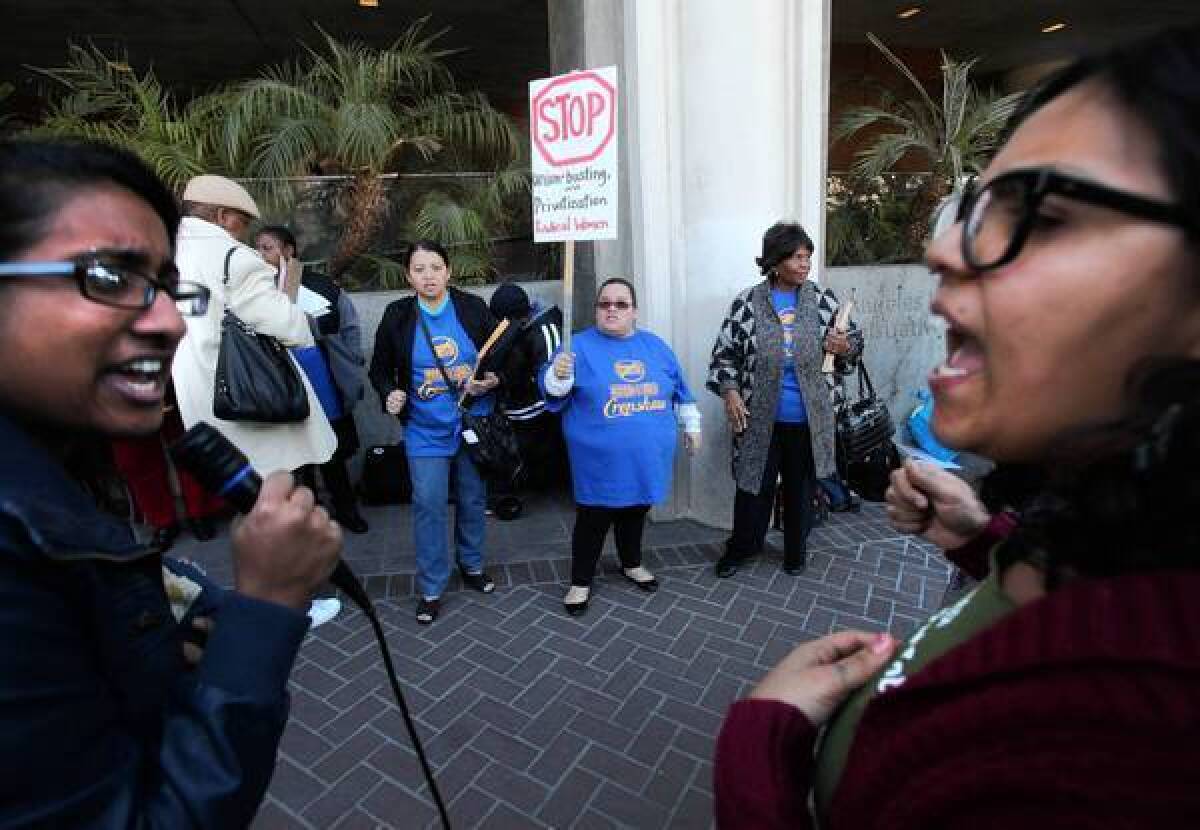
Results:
<point x="481" y="582"/>
<point x="427" y="610"/>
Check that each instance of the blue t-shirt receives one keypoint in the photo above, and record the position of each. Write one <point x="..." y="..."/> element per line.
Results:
<point x="791" y="400"/>
<point x="619" y="418"/>
<point x="434" y="426"/>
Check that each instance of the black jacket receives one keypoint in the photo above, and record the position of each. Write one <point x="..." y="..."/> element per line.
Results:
<point x="391" y="364"/>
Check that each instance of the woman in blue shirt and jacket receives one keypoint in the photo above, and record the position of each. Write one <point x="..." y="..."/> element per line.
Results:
<point x="406" y="373"/>
<point x="618" y="389"/>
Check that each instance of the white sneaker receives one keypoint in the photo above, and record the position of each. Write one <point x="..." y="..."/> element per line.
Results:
<point x="323" y="610"/>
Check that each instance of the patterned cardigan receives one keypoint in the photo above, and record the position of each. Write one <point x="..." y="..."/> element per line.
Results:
<point x="748" y="357"/>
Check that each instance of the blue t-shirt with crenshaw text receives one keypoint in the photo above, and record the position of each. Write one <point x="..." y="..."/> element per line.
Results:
<point x="619" y="418"/>
<point x="791" y="408"/>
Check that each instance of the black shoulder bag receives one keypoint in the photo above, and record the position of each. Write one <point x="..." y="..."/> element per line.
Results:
<point x="866" y="455"/>
<point x="490" y="439"/>
<point x="256" y="379"/>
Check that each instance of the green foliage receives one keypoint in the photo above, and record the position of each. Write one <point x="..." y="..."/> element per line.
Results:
<point x="866" y="220"/>
<point x="98" y="96"/>
<point x="955" y="135"/>
<point x="354" y="109"/>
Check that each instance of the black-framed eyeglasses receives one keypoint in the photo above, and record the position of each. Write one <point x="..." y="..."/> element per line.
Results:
<point x="999" y="217"/>
<point x="120" y="282"/>
<point x="610" y="305"/>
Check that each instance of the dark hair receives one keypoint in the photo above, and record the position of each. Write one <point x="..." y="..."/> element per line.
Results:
<point x="1155" y="80"/>
<point x="282" y="235"/>
<point x="1123" y="496"/>
<point x="425" y="245"/>
<point x="781" y="241"/>
<point x="38" y="177"/>
<point x="619" y="281"/>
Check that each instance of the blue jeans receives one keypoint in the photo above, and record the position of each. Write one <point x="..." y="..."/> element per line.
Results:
<point x="431" y="480"/>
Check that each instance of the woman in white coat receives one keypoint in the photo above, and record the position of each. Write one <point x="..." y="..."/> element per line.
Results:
<point x="218" y="212"/>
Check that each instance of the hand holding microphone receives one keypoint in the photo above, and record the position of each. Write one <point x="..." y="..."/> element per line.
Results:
<point x="286" y="547"/>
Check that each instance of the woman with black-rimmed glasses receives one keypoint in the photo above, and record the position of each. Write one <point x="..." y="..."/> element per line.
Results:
<point x="114" y="710"/>
<point x="1064" y="690"/>
<point x="623" y="398"/>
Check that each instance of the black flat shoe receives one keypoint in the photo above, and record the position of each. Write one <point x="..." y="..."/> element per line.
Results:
<point x="727" y="567"/>
<point x="576" y="600"/>
<point x="795" y="567"/>
<point x="642" y="578"/>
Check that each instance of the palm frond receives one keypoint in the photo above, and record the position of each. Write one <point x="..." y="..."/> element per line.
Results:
<point x="449" y="221"/>
<point x="858" y="118"/>
<point x="883" y="153"/>
<point x="904" y="70"/>
<point x="388" y="273"/>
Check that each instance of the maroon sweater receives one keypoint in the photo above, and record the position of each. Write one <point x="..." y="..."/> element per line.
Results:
<point x="1080" y="709"/>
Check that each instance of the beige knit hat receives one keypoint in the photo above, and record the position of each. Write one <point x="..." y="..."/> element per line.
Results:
<point x="222" y="192"/>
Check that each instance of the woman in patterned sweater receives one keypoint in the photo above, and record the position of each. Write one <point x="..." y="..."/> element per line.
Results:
<point x="766" y="367"/>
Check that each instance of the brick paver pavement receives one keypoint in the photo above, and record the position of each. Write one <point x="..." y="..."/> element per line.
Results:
<point x="532" y="719"/>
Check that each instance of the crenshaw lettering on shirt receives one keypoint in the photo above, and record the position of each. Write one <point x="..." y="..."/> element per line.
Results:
<point x="627" y="399"/>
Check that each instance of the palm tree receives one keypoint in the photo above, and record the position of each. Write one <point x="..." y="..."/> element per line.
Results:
<point x="955" y="136"/>
<point x="356" y="110"/>
<point x="100" y="97"/>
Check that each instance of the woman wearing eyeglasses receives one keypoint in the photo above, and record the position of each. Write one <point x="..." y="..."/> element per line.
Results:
<point x="621" y="393"/>
<point x="766" y="367"/>
<point x="111" y="716"/>
<point x="1064" y="691"/>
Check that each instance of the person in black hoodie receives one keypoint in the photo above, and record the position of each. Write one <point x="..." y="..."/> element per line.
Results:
<point x="532" y="337"/>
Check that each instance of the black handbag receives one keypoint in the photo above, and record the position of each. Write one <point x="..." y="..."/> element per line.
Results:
<point x="490" y="439"/>
<point x="866" y="454"/>
<point x="256" y="380"/>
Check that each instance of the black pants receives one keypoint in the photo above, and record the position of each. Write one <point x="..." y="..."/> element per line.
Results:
<point x="790" y="455"/>
<point x="587" y="539"/>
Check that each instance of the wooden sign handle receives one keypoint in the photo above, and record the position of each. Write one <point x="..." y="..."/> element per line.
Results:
<point x="568" y="292"/>
<point x="840" y="321"/>
<point x="500" y="328"/>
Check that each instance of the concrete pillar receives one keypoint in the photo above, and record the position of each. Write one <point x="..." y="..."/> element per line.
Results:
<point x="723" y="127"/>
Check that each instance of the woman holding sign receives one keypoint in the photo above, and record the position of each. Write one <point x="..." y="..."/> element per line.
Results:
<point x="621" y="392"/>
<point x="767" y="367"/>
<point x="425" y="345"/>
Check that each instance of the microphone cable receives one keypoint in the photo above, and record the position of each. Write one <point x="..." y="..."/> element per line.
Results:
<point x="224" y="470"/>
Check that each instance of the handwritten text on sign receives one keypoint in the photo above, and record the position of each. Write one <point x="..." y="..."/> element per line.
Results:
<point x="573" y="129"/>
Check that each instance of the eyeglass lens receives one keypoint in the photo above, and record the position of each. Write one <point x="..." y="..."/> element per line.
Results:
<point x="995" y="217"/>
<point x="127" y="288"/>
<point x="609" y="305"/>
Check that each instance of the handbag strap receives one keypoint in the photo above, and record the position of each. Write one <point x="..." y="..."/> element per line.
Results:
<point x="864" y="379"/>
<point x="225" y="277"/>
<point x="432" y="349"/>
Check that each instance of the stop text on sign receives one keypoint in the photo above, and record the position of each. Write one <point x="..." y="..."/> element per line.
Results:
<point x="574" y="118"/>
